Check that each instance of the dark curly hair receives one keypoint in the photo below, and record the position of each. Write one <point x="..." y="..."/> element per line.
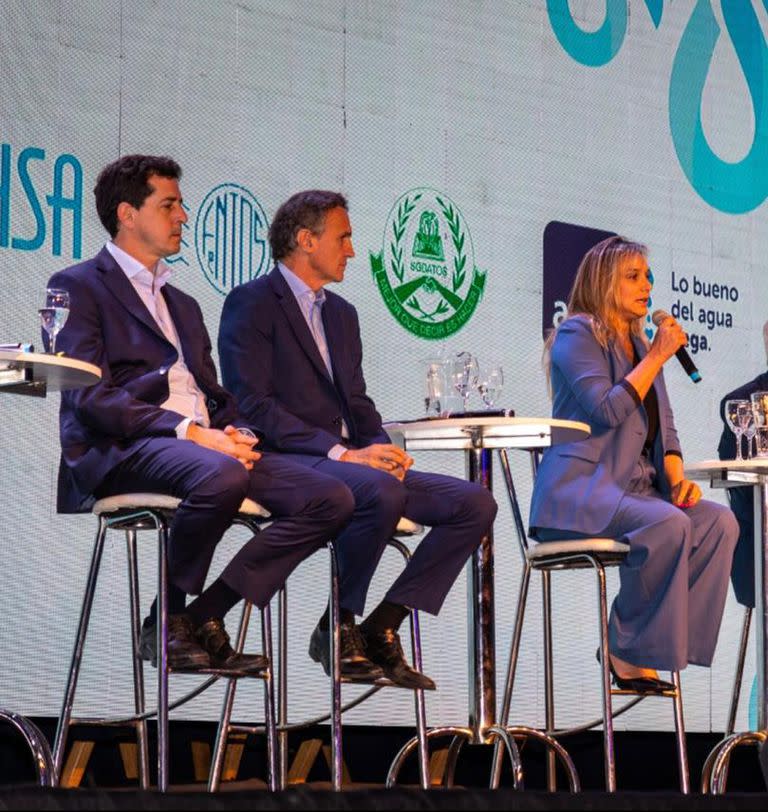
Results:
<point x="302" y="210"/>
<point x="126" y="179"/>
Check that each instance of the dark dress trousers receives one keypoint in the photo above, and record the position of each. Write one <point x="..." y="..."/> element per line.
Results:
<point x="115" y="437"/>
<point x="742" y="502"/>
<point x="674" y="580"/>
<point x="270" y="362"/>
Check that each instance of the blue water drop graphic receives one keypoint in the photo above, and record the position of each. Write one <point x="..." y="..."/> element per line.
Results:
<point x="733" y="187"/>
<point x="592" y="48"/>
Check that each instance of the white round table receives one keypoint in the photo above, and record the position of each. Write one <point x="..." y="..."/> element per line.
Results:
<point x="729" y="474"/>
<point x="477" y="437"/>
<point x="35" y="373"/>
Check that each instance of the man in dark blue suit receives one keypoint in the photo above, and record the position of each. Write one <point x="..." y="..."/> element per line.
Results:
<point x="742" y="501"/>
<point x="158" y="421"/>
<point x="291" y="353"/>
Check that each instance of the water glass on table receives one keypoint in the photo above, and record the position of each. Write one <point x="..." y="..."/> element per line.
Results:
<point x="760" y="415"/>
<point x="490" y="383"/>
<point x="54" y="315"/>
<point x="733" y="410"/>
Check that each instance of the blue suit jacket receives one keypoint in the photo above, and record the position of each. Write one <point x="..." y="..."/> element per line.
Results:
<point x="270" y="362"/>
<point x="110" y="326"/>
<point x="579" y="485"/>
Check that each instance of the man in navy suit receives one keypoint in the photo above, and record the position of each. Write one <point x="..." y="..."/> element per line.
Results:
<point x="291" y="353"/>
<point x="158" y="421"/>
<point x="742" y="501"/>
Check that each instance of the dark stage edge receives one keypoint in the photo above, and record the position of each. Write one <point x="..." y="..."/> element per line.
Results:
<point x="310" y="798"/>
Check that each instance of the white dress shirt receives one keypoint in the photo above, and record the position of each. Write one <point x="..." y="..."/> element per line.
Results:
<point x="310" y="303"/>
<point x="185" y="397"/>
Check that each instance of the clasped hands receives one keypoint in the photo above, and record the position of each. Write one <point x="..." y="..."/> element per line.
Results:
<point x="384" y="456"/>
<point x="230" y="441"/>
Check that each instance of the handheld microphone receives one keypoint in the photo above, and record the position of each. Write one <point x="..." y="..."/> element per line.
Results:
<point x="682" y="354"/>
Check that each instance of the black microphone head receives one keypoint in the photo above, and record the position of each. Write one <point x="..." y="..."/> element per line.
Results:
<point x="658" y="316"/>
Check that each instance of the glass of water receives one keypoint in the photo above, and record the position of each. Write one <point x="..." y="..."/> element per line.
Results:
<point x="490" y="382"/>
<point x="732" y="408"/>
<point x="760" y="412"/>
<point x="54" y="315"/>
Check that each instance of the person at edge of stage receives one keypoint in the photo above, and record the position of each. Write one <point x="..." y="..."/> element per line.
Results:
<point x="626" y="480"/>
<point x="158" y="421"/>
<point x="742" y="499"/>
<point x="291" y="353"/>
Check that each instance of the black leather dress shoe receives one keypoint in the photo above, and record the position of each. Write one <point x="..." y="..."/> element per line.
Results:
<point x="385" y="649"/>
<point x="639" y="685"/>
<point x="354" y="664"/>
<point x="213" y="637"/>
<point x="184" y="652"/>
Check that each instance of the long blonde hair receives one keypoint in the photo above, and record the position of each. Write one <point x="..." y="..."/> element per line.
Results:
<point x="595" y="291"/>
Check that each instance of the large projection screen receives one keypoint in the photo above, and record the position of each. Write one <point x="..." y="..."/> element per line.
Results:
<point x="500" y="117"/>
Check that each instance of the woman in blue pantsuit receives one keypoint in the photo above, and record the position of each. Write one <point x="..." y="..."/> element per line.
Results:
<point x="626" y="480"/>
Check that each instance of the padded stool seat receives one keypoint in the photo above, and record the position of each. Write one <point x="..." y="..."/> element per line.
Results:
<point x="161" y="501"/>
<point x="606" y="549"/>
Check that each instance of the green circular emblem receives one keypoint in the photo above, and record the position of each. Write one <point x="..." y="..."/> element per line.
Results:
<point x="426" y="271"/>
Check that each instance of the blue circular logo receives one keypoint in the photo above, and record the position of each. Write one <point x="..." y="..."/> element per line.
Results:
<point x="231" y="237"/>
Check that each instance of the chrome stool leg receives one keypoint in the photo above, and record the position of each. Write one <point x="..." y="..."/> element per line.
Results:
<point x="225" y="723"/>
<point x="282" y="683"/>
<point x="273" y="773"/>
<point x="335" y="659"/>
<point x="418" y="695"/>
<point x="682" y="749"/>
<point x="514" y="651"/>
<point x="139" y="703"/>
<point x="162" y="656"/>
<point x="549" y="676"/>
<point x="739" y="675"/>
<point x="609" y="754"/>
<point x="62" y="729"/>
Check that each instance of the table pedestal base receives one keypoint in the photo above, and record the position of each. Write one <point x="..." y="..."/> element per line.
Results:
<point x="714" y="774"/>
<point x="505" y="737"/>
<point x="36" y="742"/>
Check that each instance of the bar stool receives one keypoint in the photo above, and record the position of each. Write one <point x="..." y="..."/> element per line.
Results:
<point x="150" y="511"/>
<point x="714" y="773"/>
<point x="405" y="529"/>
<point x="568" y="555"/>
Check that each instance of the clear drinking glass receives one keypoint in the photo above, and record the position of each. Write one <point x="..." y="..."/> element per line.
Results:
<point x="434" y="386"/>
<point x="733" y="419"/>
<point x="463" y="371"/>
<point x="760" y="413"/>
<point x="490" y="383"/>
<point x="748" y="426"/>
<point x="54" y="315"/>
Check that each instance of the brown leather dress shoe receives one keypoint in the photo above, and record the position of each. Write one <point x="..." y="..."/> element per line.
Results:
<point x="384" y="648"/>
<point x="354" y="664"/>
<point x="213" y="637"/>
<point x="184" y="652"/>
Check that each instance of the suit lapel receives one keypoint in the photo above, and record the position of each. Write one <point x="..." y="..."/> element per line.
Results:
<point x="334" y="334"/>
<point x="297" y="322"/>
<point x="188" y="339"/>
<point x="118" y="284"/>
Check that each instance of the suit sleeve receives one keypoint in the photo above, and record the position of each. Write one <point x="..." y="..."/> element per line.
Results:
<point x="106" y="408"/>
<point x="368" y="423"/>
<point x="246" y="357"/>
<point x="585" y="367"/>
